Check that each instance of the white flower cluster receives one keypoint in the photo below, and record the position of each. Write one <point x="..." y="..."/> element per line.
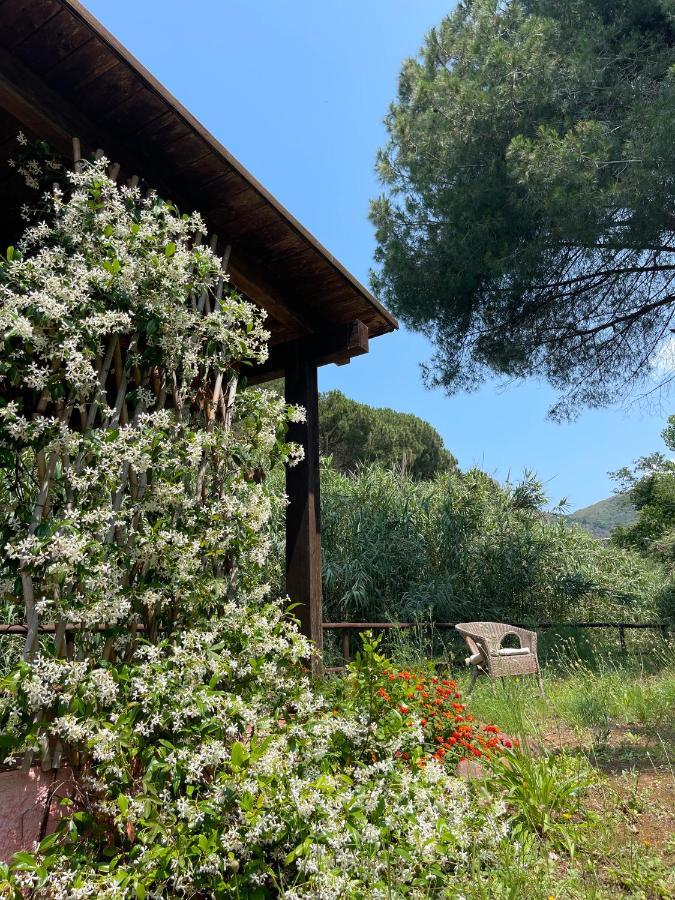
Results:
<point x="252" y="767"/>
<point x="208" y="761"/>
<point x="148" y="510"/>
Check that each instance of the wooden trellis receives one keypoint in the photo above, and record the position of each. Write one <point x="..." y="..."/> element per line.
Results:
<point x="118" y="376"/>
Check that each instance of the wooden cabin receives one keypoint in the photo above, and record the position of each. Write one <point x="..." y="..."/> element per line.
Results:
<point x="62" y="75"/>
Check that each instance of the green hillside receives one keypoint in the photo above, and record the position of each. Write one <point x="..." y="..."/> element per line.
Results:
<point x="601" y="518"/>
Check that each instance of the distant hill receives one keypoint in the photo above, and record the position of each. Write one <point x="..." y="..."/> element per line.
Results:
<point x="600" y="519"/>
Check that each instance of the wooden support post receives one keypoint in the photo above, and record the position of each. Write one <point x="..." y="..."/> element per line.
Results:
<point x="622" y="638"/>
<point x="303" y="539"/>
<point x="345" y="646"/>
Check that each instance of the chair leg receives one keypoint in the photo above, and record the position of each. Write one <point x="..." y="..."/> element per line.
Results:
<point x="541" y="684"/>
<point x="474" y="676"/>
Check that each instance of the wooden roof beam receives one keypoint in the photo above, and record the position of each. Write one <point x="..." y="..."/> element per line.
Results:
<point x="52" y="118"/>
<point x="23" y="95"/>
<point x="247" y="278"/>
<point x="338" y="346"/>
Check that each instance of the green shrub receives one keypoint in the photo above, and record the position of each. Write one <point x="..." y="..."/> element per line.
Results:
<point x="462" y="547"/>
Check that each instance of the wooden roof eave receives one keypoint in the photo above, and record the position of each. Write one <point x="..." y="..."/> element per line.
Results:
<point x="307" y="290"/>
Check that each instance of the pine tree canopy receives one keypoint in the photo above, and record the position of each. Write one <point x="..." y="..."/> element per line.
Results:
<point x="353" y="434"/>
<point x="527" y="224"/>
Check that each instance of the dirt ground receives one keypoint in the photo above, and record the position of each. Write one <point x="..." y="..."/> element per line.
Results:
<point x="638" y="787"/>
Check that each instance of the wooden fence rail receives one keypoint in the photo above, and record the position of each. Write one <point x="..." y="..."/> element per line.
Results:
<point x="347" y="628"/>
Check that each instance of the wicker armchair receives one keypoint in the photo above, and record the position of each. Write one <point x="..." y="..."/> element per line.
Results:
<point x="485" y="639"/>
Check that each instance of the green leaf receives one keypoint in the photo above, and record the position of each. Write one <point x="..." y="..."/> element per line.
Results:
<point x="170" y="249"/>
<point x="238" y="755"/>
<point x="299" y="851"/>
<point x="24" y="861"/>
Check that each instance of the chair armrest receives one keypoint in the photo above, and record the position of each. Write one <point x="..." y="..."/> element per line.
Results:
<point x="527" y="638"/>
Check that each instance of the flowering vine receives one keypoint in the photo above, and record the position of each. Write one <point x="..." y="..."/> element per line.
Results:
<point x="137" y="509"/>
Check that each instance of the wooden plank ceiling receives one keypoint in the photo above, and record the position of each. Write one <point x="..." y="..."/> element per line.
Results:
<point x="62" y="74"/>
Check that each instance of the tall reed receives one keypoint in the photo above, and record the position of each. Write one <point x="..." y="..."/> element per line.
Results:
<point x="463" y="547"/>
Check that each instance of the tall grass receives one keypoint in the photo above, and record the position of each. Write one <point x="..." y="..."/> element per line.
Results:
<point x="593" y="698"/>
<point x="463" y="547"/>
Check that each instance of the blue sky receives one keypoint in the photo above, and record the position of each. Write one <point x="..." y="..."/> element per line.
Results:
<point x="297" y="90"/>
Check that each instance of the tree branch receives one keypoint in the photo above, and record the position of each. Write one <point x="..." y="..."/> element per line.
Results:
<point x="636" y="314"/>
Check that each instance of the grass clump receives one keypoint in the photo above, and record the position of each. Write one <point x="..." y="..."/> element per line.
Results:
<point x="542" y="792"/>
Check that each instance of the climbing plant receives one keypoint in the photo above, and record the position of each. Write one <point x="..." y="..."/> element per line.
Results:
<point x="136" y="514"/>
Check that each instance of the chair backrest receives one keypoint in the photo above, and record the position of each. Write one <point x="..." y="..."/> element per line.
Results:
<point x="486" y="629"/>
<point x="492" y="633"/>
